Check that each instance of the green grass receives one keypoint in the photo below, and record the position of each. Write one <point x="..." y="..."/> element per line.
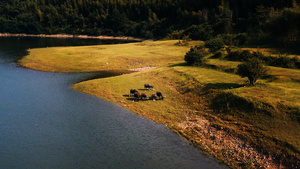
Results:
<point x="269" y="124"/>
<point x="105" y="57"/>
<point x="266" y="115"/>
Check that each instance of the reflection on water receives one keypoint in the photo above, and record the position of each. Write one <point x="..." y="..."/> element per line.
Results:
<point x="45" y="124"/>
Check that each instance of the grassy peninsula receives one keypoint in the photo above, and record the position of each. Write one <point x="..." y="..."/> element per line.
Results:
<point x="242" y="126"/>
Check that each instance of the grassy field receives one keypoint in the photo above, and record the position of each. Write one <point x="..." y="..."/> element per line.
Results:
<point x="241" y="125"/>
<point x="105" y="57"/>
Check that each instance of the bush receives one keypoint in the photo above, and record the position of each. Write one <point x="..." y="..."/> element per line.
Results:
<point x="281" y="61"/>
<point x="239" y="55"/>
<point x="241" y="39"/>
<point x="218" y="54"/>
<point x="223" y="40"/>
<point x="177" y="34"/>
<point x="215" y="44"/>
<point x="184" y="42"/>
<point x="199" y="32"/>
<point x="253" y="69"/>
<point x="196" y="56"/>
<point x="234" y="39"/>
<point x="296" y="61"/>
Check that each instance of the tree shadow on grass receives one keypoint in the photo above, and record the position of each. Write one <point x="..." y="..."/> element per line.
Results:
<point x="222" y="86"/>
<point x="179" y="64"/>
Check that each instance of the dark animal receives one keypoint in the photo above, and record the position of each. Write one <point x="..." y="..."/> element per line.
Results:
<point x="159" y="95"/>
<point x="144" y="96"/>
<point x="154" y="97"/>
<point x="132" y="91"/>
<point x="137" y="96"/>
<point x="148" y="86"/>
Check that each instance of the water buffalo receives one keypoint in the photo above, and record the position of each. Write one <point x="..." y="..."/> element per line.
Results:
<point x="159" y="95"/>
<point x="132" y="91"/>
<point x="148" y="86"/>
<point x="137" y="95"/>
<point x="154" y="97"/>
<point x="144" y="96"/>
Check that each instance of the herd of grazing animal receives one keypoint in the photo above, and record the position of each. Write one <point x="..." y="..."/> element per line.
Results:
<point x="143" y="96"/>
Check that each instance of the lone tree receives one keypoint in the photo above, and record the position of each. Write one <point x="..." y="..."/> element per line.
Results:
<point x="253" y="69"/>
<point x="196" y="56"/>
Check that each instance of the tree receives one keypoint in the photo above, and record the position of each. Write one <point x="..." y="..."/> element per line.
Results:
<point x="223" y="20"/>
<point x="196" y="56"/>
<point x="253" y="69"/>
<point x="284" y="26"/>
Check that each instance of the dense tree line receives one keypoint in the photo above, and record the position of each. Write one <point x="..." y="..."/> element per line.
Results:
<point x="200" y="19"/>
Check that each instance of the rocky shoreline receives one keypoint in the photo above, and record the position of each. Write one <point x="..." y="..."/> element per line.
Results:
<point x="224" y="145"/>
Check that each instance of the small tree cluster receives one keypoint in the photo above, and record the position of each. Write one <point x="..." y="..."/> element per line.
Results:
<point x="223" y="40"/>
<point x="253" y="69"/>
<point x="196" y="56"/>
<point x="280" y="61"/>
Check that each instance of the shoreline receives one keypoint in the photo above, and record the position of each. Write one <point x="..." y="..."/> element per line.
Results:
<point x="211" y="137"/>
<point x="102" y="37"/>
<point x="221" y="139"/>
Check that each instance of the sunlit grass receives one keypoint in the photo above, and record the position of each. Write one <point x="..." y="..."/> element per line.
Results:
<point x="105" y="57"/>
<point x="172" y="110"/>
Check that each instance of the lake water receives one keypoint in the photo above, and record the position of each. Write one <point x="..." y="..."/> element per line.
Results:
<point x="45" y="124"/>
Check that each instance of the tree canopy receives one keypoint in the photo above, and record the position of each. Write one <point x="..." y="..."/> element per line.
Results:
<point x="253" y="69"/>
<point x="152" y="18"/>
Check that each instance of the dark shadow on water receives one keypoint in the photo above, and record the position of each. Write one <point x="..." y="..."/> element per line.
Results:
<point x="222" y="86"/>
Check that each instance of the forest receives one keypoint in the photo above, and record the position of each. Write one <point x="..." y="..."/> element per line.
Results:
<point x="275" y="21"/>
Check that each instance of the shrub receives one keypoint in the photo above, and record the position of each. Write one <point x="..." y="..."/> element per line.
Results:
<point x="177" y="34"/>
<point x="215" y="44"/>
<point x="241" y="39"/>
<point x="196" y="56"/>
<point x="223" y="40"/>
<point x="239" y="55"/>
<point x="296" y="61"/>
<point x="253" y="69"/>
<point x="199" y="32"/>
<point x="184" y="42"/>
<point x="218" y="54"/>
<point x="283" y="61"/>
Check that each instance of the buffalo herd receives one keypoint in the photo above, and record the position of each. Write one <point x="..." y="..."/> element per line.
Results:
<point x="143" y="96"/>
